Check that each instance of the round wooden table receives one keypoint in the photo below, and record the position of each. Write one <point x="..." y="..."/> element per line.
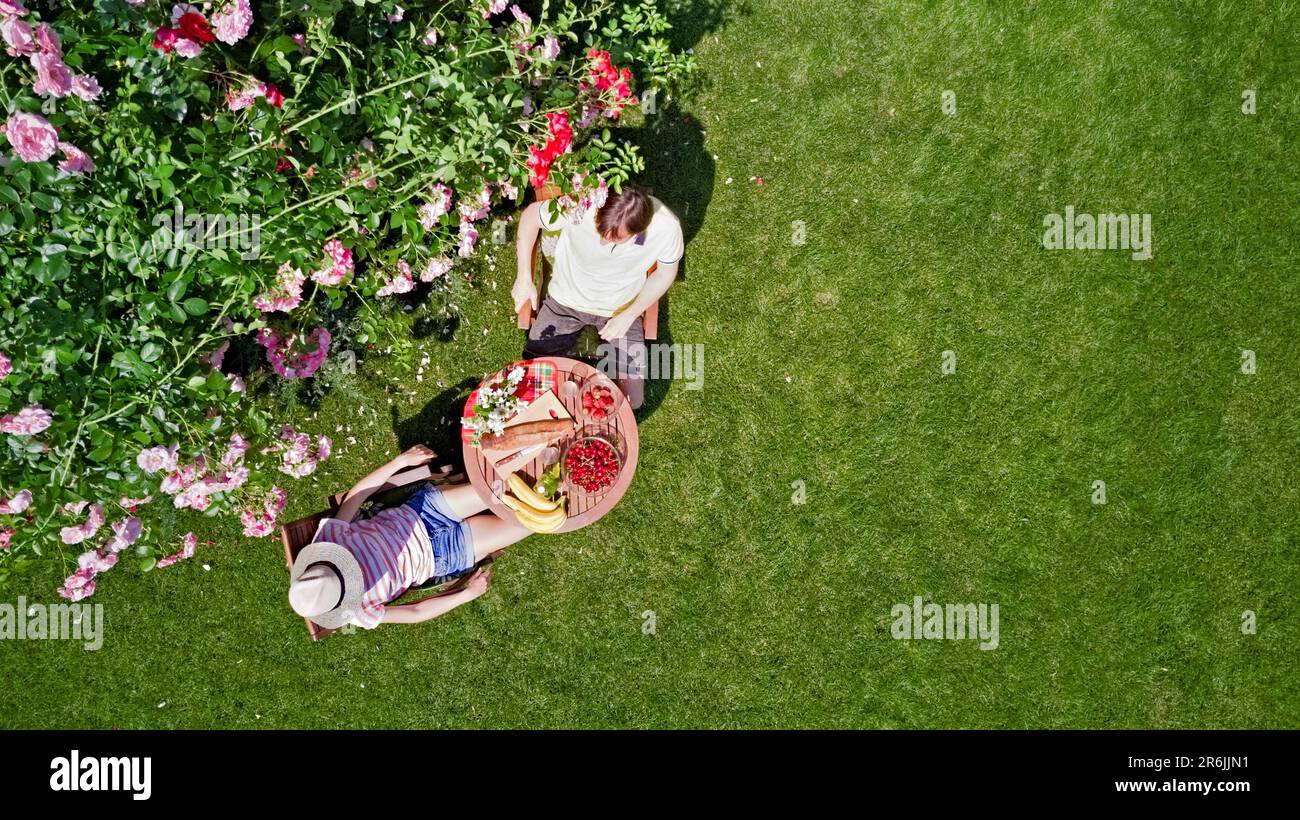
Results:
<point x="582" y="511"/>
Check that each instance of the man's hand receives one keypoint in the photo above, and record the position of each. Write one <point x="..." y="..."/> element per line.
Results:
<point x="524" y="291"/>
<point x="417" y="455"/>
<point x="617" y="326"/>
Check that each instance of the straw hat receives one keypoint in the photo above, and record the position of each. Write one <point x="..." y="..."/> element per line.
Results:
<point x="326" y="584"/>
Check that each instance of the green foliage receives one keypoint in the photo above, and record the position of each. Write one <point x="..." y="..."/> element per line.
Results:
<point x="125" y="286"/>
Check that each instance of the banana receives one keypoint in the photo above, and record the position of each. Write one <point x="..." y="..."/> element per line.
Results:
<point x="530" y="496"/>
<point x="534" y="520"/>
<point x="533" y="516"/>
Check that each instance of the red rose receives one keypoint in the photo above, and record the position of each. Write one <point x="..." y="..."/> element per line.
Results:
<point x="195" y="27"/>
<point x="165" y="39"/>
<point x="273" y="95"/>
<point x="282" y="165"/>
<point x="539" y="165"/>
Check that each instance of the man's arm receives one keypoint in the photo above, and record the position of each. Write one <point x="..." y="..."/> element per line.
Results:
<point x="430" y="608"/>
<point x="366" y="487"/>
<point x="530" y="225"/>
<point x="656" y="285"/>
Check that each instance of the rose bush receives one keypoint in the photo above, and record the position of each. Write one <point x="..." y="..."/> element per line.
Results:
<point x="178" y="177"/>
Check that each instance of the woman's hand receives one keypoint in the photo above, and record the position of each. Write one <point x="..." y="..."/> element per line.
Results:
<point x="415" y="456"/>
<point x="478" y="583"/>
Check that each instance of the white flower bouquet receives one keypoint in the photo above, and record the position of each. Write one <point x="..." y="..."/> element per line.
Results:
<point x="495" y="404"/>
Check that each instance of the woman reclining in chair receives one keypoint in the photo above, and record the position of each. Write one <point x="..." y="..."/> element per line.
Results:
<point x="352" y="569"/>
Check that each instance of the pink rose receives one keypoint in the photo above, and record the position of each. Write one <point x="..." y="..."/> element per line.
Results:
<point x="78" y="585"/>
<point x="79" y="579"/>
<point x="53" y="77"/>
<point x="260" y="521"/>
<point x="400" y="283"/>
<point x="20" y="502"/>
<point x="32" y="137"/>
<point x="255" y="524"/>
<point x="86" y="87"/>
<point x="97" y="560"/>
<point x="48" y="40"/>
<point x="196" y="497"/>
<point x="232" y="21"/>
<point x="435" y="268"/>
<point x="235" y="452"/>
<point x="189" y="544"/>
<point x="125" y="533"/>
<point x="80" y="532"/>
<point x="287" y="293"/>
<point x="187" y="48"/>
<point x="29" y="421"/>
<point x="12" y="8"/>
<point x="298" y="459"/>
<point x="75" y="161"/>
<point x="17" y="36"/>
<point x="6" y="367"/>
<point x="291" y="357"/>
<point x="341" y="264"/>
<point x="468" y="236"/>
<point x="75" y="595"/>
<point x="157" y="458"/>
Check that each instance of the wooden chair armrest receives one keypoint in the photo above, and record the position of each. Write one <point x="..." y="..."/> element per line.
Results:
<point x="650" y="319"/>
<point x="524" y="320"/>
<point x="650" y="322"/>
<point x="526" y="314"/>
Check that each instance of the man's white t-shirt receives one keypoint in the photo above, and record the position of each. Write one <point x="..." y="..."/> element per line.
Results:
<point x="602" y="279"/>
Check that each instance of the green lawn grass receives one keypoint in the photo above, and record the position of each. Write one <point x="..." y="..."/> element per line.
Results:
<point x="822" y="365"/>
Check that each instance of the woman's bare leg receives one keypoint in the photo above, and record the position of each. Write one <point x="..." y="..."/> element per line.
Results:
<point x="463" y="499"/>
<point x="493" y="534"/>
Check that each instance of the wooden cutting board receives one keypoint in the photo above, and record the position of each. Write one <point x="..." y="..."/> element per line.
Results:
<point x="546" y="406"/>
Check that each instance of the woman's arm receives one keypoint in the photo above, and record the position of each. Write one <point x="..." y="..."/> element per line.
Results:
<point x="430" y="608"/>
<point x="363" y="489"/>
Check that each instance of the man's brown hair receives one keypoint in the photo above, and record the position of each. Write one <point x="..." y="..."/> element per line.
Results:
<point x="631" y="209"/>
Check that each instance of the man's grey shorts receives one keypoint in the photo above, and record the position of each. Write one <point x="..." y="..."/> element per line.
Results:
<point x="556" y="328"/>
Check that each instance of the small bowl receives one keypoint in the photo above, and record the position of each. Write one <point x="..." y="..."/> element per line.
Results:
<point x="587" y="436"/>
<point x="603" y="395"/>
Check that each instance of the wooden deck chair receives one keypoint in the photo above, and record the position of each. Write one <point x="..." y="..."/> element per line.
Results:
<point x="299" y="534"/>
<point x="541" y="274"/>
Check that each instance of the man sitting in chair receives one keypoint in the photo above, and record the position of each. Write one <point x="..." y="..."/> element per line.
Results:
<point x="599" y="277"/>
<point x="352" y="569"/>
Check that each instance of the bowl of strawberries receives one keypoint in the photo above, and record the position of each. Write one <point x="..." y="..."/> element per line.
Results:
<point x="599" y="399"/>
<point x="592" y="459"/>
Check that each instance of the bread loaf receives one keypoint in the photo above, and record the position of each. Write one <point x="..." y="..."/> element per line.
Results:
<point x="523" y="435"/>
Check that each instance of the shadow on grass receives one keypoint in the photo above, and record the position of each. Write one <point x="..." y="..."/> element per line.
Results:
<point x="437" y="425"/>
<point x="680" y="172"/>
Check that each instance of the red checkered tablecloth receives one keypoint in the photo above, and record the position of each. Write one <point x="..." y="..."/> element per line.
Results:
<point x="539" y="376"/>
